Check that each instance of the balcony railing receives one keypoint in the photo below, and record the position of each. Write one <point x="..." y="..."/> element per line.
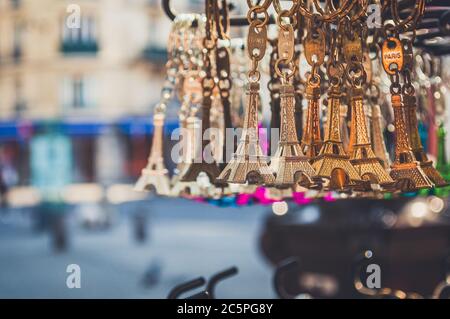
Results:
<point x="79" y="47"/>
<point x="155" y="54"/>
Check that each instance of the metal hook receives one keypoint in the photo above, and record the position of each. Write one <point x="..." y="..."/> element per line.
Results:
<point x="234" y="21"/>
<point x="214" y="280"/>
<point x="187" y="286"/>
<point x="291" y="264"/>
<point x="442" y="291"/>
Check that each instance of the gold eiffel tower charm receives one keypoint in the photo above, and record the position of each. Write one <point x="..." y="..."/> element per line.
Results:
<point x="405" y="170"/>
<point x="410" y="106"/>
<point x="332" y="163"/>
<point x="187" y="156"/>
<point x="379" y="147"/>
<point x="311" y="138"/>
<point x="155" y="175"/>
<point x="362" y="156"/>
<point x="289" y="164"/>
<point x="248" y="164"/>
<point x="200" y="165"/>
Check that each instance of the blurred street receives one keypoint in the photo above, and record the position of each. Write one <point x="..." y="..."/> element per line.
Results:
<point x="184" y="240"/>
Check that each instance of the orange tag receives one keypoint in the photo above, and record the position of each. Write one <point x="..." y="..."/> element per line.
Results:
<point x="392" y="55"/>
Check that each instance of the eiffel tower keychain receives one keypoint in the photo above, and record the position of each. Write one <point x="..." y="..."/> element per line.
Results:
<point x="361" y="153"/>
<point x="410" y="107"/>
<point x="314" y="46"/>
<point x="248" y="164"/>
<point x="290" y="165"/>
<point x="155" y="175"/>
<point x="202" y="165"/>
<point x="190" y="93"/>
<point x="333" y="163"/>
<point x="189" y="126"/>
<point x="405" y="170"/>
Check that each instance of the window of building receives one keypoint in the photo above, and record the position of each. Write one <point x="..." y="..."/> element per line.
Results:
<point x="19" y="104"/>
<point x="82" y="39"/>
<point x="78" y="92"/>
<point x="15" y="3"/>
<point x="17" y="42"/>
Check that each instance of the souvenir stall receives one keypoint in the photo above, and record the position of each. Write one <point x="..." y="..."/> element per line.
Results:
<point x="332" y="113"/>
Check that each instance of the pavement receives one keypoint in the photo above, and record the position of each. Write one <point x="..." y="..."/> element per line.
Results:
<point x="184" y="240"/>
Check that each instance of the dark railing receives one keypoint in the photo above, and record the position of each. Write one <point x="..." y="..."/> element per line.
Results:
<point x="79" y="47"/>
<point x="155" y="54"/>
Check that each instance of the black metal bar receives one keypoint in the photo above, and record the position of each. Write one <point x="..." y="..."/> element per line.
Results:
<point x="234" y="21"/>
<point x="185" y="287"/>
<point x="168" y="10"/>
<point x="210" y="288"/>
<point x="291" y="264"/>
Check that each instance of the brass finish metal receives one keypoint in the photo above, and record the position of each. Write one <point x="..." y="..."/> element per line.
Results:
<point x="405" y="170"/>
<point x="248" y="164"/>
<point x="362" y="155"/>
<point x="314" y="52"/>
<point x="410" y="106"/>
<point x="353" y="51"/>
<point x="155" y="175"/>
<point x="200" y="165"/>
<point x="392" y="55"/>
<point x="289" y="163"/>
<point x="315" y="47"/>
<point x="311" y="139"/>
<point x="333" y="163"/>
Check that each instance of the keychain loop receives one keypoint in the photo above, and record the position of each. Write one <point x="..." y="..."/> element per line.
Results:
<point x="290" y="11"/>
<point x="256" y="10"/>
<point x="263" y="7"/>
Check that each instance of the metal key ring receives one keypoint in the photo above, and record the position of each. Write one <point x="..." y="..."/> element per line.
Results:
<point x="285" y="75"/>
<point x="265" y="5"/>
<point x="345" y="8"/>
<point x="327" y="17"/>
<point x="291" y="11"/>
<point x="286" y="14"/>
<point x="256" y="10"/>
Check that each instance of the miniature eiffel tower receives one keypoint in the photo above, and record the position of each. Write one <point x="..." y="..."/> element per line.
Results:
<point x="332" y="163"/>
<point x="199" y="165"/>
<point x="406" y="171"/>
<point x="189" y="126"/>
<point x="155" y="175"/>
<point x="289" y="163"/>
<point x="311" y="139"/>
<point x="409" y="103"/>
<point x="379" y="147"/>
<point x="248" y="164"/>
<point x="362" y="157"/>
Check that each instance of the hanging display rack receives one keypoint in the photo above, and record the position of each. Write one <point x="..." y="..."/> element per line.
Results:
<point x="346" y="64"/>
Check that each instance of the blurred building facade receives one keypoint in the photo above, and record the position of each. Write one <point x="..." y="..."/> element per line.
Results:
<point x="92" y="85"/>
